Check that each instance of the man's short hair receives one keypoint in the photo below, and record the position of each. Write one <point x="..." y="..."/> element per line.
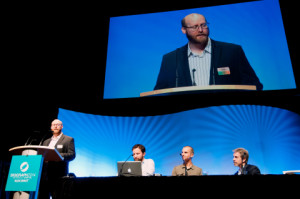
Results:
<point x="58" y="121"/>
<point x="244" y="153"/>
<point x="192" y="150"/>
<point x="143" y="149"/>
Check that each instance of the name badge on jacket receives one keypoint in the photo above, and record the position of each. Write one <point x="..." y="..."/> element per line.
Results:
<point x="59" y="146"/>
<point x="223" y="71"/>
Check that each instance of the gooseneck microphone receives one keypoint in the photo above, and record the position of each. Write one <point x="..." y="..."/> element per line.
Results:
<point x="177" y="63"/>
<point x="43" y="138"/>
<point x="29" y="138"/>
<point x="121" y="169"/>
<point x="194" y="82"/>
<point x="185" y="169"/>
<point x="243" y="171"/>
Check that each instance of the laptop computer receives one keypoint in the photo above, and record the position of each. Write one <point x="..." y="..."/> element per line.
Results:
<point x="129" y="168"/>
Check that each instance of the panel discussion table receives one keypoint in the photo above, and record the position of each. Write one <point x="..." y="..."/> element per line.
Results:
<point x="172" y="186"/>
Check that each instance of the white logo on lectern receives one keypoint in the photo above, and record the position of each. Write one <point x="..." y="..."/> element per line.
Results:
<point x="24" y="166"/>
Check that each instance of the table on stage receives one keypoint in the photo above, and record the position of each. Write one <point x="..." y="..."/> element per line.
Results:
<point x="170" y="186"/>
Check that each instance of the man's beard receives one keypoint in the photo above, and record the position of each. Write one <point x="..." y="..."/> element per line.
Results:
<point x="56" y="131"/>
<point x="203" y="39"/>
<point x="138" y="159"/>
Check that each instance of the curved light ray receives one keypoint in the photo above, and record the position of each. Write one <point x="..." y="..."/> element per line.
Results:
<point x="271" y="135"/>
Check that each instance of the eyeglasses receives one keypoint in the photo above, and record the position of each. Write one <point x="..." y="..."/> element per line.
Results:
<point x="196" y="27"/>
<point x="56" y="125"/>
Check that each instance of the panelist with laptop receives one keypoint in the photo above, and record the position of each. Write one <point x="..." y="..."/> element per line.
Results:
<point x="148" y="166"/>
<point x="140" y="166"/>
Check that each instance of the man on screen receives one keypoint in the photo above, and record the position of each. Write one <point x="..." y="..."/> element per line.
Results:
<point x="240" y="159"/>
<point x="138" y="153"/>
<point x="204" y="61"/>
<point x="187" y="168"/>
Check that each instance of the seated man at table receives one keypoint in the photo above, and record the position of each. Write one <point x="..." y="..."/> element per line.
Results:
<point x="138" y="153"/>
<point x="187" y="168"/>
<point x="240" y="159"/>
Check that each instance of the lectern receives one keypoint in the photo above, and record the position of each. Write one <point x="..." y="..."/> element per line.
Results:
<point x="195" y="89"/>
<point x="26" y="168"/>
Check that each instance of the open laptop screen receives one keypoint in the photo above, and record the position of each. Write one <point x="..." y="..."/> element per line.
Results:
<point x="129" y="168"/>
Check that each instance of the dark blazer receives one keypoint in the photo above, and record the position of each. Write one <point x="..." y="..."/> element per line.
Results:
<point x="175" y="72"/>
<point x="249" y="170"/>
<point x="66" y="147"/>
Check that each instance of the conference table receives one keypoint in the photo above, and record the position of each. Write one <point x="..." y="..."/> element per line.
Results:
<point x="171" y="186"/>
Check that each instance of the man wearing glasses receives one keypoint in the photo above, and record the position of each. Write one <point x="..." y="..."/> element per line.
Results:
<point x="204" y="61"/>
<point x="52" y="171"/>
<point x="64" y="144"/>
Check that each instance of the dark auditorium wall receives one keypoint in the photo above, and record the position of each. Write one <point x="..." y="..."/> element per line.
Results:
<point x="57" y="57"/>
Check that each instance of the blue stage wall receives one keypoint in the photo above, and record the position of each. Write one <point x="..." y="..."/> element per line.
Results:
<point x="271" y="135"/>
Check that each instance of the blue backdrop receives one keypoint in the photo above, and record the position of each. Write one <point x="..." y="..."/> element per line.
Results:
<point x="271" y="135"/>
<point x="137" y="43"/>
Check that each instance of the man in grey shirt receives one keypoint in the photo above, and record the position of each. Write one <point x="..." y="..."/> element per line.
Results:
<point x="187" y="168"/>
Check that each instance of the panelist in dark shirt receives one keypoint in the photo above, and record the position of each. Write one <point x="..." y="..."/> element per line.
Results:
<point x="240" y="159"/>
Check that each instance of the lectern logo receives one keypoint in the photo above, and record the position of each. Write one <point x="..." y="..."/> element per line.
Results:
<point x="24" y="173"/>
<point x="24" y="166"/>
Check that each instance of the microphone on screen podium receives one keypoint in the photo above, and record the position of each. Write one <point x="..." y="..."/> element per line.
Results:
<point x="121" y="169"/>
<point x="194" y="81"/>
<point x="177" y="77"/>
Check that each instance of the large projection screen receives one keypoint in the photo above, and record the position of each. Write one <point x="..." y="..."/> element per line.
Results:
<point x="137" y="43"/>
<point x="271" y="135"/>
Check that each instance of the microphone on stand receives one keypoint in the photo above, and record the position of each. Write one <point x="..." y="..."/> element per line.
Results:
<point x="185" y="169"/>
<point x="27" y="140"/>
<point x="26" y="143"/>
<point x="177" y="75"/>
<point x="120" y="172"/>
<point x="194" y="82"/>
<point x="43" y="138"/>
<point x="243" y="172"/>
<point x="32" y="141"/>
